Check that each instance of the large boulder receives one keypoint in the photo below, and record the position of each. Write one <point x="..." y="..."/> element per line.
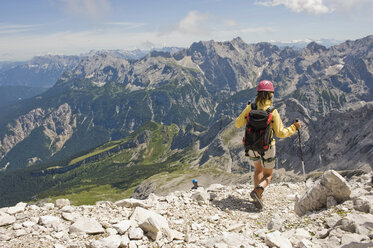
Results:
<point x="19" y="208"/>
<point x="131" y="203"/>
<point x="331" y="184"/>
<point x="60" y="203"/>
<point x="201" y="195"/>
<point x="360" y="223"/>
<point x="86" y="225"/>
<point x="364" y="204"/>
<point x="6" y="219"/>
<point x="276" y="239"/>
<point x="152" y="223"/>
<point x="49" y="220"/>
<point x="122" y="226"/>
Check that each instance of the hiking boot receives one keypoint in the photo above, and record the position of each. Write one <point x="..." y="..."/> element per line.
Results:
<point x="256" y="195"/>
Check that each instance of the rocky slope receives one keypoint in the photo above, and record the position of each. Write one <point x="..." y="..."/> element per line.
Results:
<point x="22" y="80"/>
<point x="218" y="216"/>
<point x="39" y="72"/>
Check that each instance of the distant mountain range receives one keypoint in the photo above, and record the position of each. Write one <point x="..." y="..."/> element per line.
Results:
<point x="300" y="44"/>
<point x="198" y="91"/>
<point x="21" y="80"/>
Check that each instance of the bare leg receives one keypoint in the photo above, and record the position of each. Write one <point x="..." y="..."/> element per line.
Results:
<point x="266" y="178"/>
<point x="258" y="173"/>
<point x="262" y="177"/>
<point x="256" y="194"/>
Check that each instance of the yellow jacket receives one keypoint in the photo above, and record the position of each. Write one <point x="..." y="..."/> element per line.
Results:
<point x="276" y="125"/>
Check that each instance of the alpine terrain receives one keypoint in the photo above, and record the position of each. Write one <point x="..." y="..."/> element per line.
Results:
<point x="109" y="123"/>
<point x="332" y="211"/>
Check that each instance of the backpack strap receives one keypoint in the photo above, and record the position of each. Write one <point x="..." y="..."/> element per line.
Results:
<point x="253" y="106"/>
<point x="270" y="109"/>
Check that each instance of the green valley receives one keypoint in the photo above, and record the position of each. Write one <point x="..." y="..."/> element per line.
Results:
<point x="110" y="171"/>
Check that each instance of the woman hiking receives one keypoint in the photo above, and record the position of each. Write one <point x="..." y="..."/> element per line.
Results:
<point x="264" y="162"/>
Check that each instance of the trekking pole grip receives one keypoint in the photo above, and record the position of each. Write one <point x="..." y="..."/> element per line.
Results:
<point x="297" y="120"/>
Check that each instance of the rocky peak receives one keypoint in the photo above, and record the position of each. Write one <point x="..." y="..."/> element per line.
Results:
<point x="160" y="54"/>
<point x="53" y="59"/>
<point x="313" y="47"/>
<point x="238" y="41"/>
<point x="289" y="52"/>
<point x="102" y="67"/>
<point x="267" y="48"/>
<point x="215" y="216"/>
<point x="201" y="48"/>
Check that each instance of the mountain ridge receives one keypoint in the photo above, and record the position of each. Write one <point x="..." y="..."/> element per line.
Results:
<point x="105" y="99"/>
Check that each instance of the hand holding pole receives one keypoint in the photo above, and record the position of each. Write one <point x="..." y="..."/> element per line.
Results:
<point x="300" y="147"/>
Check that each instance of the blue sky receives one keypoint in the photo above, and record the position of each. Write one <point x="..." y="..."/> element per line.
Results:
<point x="38" y="27"/>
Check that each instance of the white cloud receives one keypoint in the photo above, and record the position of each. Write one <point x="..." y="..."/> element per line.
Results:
<point x="123" y="35"/>
<point x="126" y="25"/>
<point x="308" y="6"/>
<point x="320" y="6"/>
<point x="230" y="23"/>
<point x="194" y="23"/>
<point x="350" y="5"/>
<point x="16" y="28"/>
<point x="91" y="9"/>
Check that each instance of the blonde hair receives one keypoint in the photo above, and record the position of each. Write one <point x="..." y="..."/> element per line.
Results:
<point x="262" y="96"/>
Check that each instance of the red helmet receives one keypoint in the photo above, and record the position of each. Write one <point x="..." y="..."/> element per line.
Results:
<point x="265" y="85"/>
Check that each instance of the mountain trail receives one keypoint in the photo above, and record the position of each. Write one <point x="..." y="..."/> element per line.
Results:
<point x="218" y="216"/>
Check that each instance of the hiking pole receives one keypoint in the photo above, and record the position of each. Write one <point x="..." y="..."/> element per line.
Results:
<point x="301" y="153"/>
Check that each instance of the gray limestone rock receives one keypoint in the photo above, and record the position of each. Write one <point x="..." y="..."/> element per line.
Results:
<point x="135" y="233"/>
<point x="227" y="239"/>
<point x="201" y="195"/>
<point x="176" y="220"/>
<point x="152" y="223"/>
<point x="363" y="204"/>
<point x="70" y="216"/>
<point x="28" y="224"/>
<point x="60" y="203"/>
<point x="331" y="202"/>
<point x="122" y="226"/>
<point x="48" y="206"/>
<point x="49" y="220"/>
<point x="352" y="237"/>
<point x="305" y="243"/>
<point x="276" y="239"/>
<point x="132" y="203"/>
<point x="86" y="225"/>
<point x="275" y="222"/>
<point x="59" y="246"/>
<point x="113" y="241"/>
<point x="347" y="225"/>
<point x="330" y="184"/>
<point x="360" y="223"/>
<point x="19" y="233"/>
<point x="4" y="237"/>
<point x="17" y="226"/>
<point x="332" y="220"/>
<point x="67" y="209"/>
<point x="6" y="219"/>
<point x="174" y="235"/>
<point x="19" y="208"/>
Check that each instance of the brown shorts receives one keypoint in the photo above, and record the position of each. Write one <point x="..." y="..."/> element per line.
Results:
<point x="269" y="157"/>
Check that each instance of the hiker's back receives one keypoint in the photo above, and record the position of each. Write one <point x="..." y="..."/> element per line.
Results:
<point x="258" y="133"/>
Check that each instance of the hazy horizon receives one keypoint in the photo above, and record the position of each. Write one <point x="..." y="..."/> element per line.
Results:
<point x="73" y="27"/>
